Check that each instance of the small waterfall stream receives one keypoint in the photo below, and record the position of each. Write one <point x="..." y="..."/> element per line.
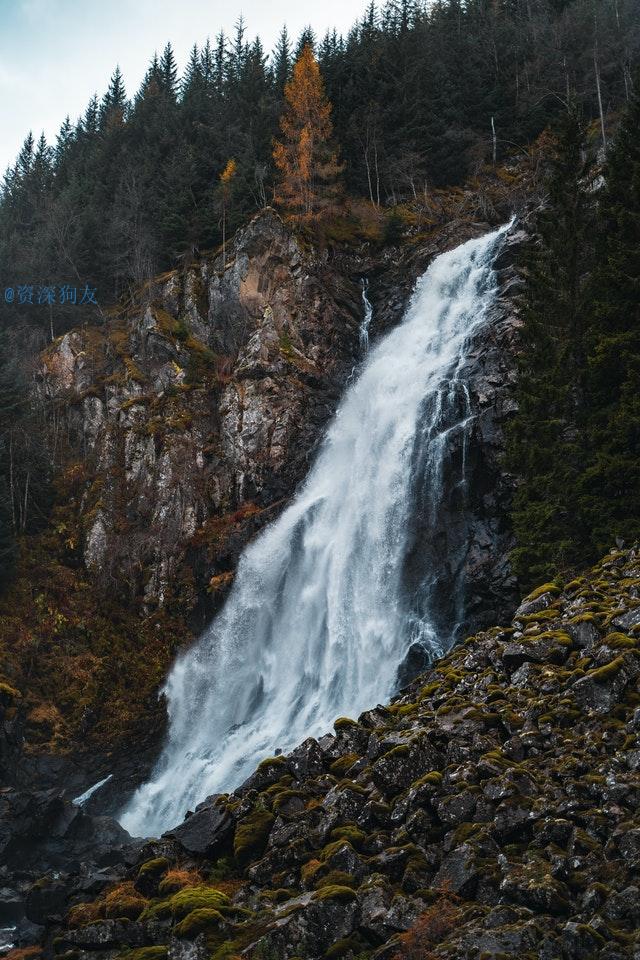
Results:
<point x="317" y="623"/>
<point x="367" y="315"/>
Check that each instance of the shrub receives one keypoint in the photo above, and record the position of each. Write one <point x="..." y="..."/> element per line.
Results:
<point x="431" y="928"/>
<point x="178" y="879"/>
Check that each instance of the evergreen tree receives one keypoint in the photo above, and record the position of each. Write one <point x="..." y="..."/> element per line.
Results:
<point x="282" y="61"/>
<point x="114" y="102"/>
<point x="610" y="491"/>
<point x="545" y="441"/>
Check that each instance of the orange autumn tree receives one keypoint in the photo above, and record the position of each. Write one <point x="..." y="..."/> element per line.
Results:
<point x="306" y="157"/>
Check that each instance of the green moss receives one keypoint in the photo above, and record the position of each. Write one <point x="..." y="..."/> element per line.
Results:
<point x="402" y="750"/>
<point x="124" y="907"/>
<point x="539" y="591"/>
<point x="335" y="892"/>
<point x="284" y="795"/>
<point x="281" y="895"/>
<point x="196" y="922"/>
<point x="433" y="777"/>
<point x="353" y="834"/>
<point x="153" y="868"/>
<point x="268" y="762"/>
<point x="620" y="641"/>
<point x="609" y="670"/>
<point x="343" y="723"/>
<point x="353" y="787"/>
<point x="144" y="953"/>
<point x="335" y="878"/>
<point x="251" y="836"/>
<point x="342" y="764"/>
<point x="195" y="898"/>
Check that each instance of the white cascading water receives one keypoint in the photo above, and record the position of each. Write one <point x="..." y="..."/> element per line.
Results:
<point x="367" y="315"/>
<point x="317" y="624"/>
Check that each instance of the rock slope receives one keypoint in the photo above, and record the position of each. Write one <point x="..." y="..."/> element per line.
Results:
<point x="489" y="811"/>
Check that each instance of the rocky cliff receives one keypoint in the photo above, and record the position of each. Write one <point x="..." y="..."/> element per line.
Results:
<point x="179" y="429"/>
<point x="197" y="409"/>
<point x="491" y="810"/>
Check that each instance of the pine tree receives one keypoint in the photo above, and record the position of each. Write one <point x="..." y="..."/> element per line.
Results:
<point x="545" y="447"/>
<point x="169" y="72"/>
<point x="610" y="491"/>
<point x="306" y="39"/>
<point x="306" y="158"/>
<point x="282" y="60"/>
<point x="114" y="102"/>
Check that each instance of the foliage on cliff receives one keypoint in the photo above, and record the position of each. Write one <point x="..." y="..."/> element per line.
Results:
<point x="576" y="439"/>
<point x="490" y="810"/>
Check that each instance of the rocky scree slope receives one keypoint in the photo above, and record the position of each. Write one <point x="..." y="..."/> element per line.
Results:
<point x="489" y="811"/>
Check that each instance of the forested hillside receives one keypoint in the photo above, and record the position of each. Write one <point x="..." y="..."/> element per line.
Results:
<point x="576" y="439"/>
<point x="422" y="96"/>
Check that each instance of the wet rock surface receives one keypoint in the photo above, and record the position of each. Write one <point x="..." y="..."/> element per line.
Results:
<point x="490" y="810"/>
<point x="197" y="409"/>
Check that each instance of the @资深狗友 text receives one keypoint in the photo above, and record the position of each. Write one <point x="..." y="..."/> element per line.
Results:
<point x="31" y="295"/>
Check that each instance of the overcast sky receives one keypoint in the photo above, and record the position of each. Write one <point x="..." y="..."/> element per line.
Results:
<point x="54" y="54"/>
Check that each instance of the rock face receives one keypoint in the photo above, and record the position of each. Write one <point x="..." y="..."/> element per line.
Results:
<point x="491" y="810"/>
<point x="197" y="408"/>
<point x="194" y="413"/>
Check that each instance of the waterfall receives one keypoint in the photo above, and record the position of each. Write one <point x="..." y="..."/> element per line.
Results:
<point x="317" y="623"/>
<point x="367" y="314"/>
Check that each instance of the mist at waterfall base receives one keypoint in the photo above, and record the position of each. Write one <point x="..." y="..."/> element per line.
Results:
<point x="317" y="622"/>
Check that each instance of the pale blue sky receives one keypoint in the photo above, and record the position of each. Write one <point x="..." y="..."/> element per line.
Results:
<point x="54" y="54"/>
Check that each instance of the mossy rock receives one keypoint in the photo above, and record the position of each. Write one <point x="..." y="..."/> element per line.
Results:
<point x="84" y="913"/>
<point x="344" y="723"/>
<point x="145" y="953"/>
<point x="539" y="591"/>
<point x="251" y="836"/>
<point x="198" y="921"/>
<point x="270" y="762"/>
<point x="336" y="892"/>
<point x="124" y="903"/>
<point x="348" y="946"/>
<point x="150" y="874"/>
<point x="620" y="641"/>
<point x="281" y="895"/>
<point x="154" y="868"/>
<point x="342" y="764"/>
<point x="196" y="898"/>
<point x="336" y="878"/>
<point x="609" y="670"/>
<point x="353" y="834"/>
<point x="433" y="777"/>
